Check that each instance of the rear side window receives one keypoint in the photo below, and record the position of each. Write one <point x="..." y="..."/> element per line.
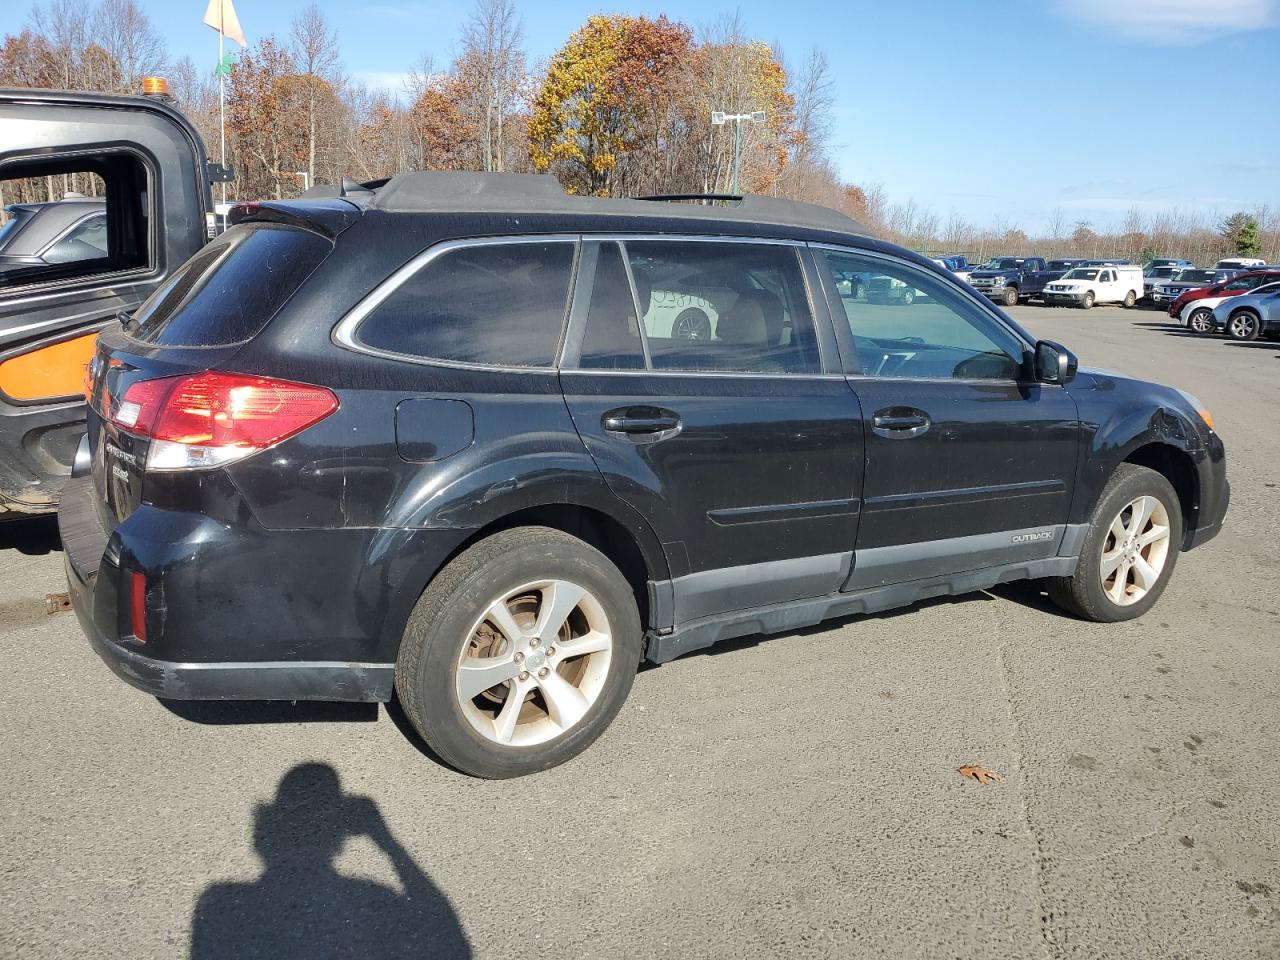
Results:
<point x="500" y="304"/>
<point x="722" y="307"/>
<point x="228" y="291"/>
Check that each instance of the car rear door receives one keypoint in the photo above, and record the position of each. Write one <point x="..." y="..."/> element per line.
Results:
<point x="969" y="465"/>
<point x="742" y="448"/>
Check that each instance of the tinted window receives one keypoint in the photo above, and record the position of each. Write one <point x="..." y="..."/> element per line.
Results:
<point x="612" y="337"/>
<point x="914" y="325"/>
<point x="501" y="304"/>
<point x="86" y="241"/>
<point x="730" y="307"/>
<point x="228" y="291"/>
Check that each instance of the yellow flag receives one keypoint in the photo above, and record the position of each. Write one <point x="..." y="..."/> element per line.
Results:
<point x="221" y="15"/>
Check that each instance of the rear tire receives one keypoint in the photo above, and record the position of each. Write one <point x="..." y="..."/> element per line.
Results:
<point x="503" y="620"/>
<point x="1201" y="321"/>
<point x="1244" y="326"/>
<point x="1010" y="298"/>
<point x="1110" y="584"/>
<point x="1130" y="299"/>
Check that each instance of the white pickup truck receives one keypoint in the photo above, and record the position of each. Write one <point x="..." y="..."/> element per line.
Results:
<point x="1085" y="286"/>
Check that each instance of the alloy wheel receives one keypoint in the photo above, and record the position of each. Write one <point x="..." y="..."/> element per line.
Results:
<point x="534" y="663"/>
<point x="1242" y="326"/>
<point x="1202" y="321"/>
<point x="1135" y="550"/>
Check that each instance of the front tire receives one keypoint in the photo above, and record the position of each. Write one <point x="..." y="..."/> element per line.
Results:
<point x="519" y="653"/>
<point x="1010" y="298"/>
<point x="1201" y="321"/>
<point x="1244" y="326"/>
<point x="1129" y="553"/>
<point x="1087" y="302"/>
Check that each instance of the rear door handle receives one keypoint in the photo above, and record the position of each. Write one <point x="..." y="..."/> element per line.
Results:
<point x="641" y="423"/>
<point x="899" y="423"/>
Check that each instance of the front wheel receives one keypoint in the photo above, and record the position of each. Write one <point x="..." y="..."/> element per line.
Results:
<point x="1010" y="298"/>
<point x="1201" y="321"/>
<point x="1244" y="326"/>
<point x="1129" y="551"/>
<point x="1088" y="301"/>
<point x="519" y="653"/>
<point x="908" y="297"/>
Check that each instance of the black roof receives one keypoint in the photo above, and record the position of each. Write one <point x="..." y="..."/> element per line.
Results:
<point x="444" y="191"/>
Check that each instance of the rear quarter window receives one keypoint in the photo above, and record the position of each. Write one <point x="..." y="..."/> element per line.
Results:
<point x="231" y="288"/>
<point x="498" y="304"/>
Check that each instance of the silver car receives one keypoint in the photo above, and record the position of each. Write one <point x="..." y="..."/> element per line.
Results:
<point x="1250" y="316"/>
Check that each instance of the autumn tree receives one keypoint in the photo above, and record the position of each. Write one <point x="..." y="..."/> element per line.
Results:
<point x="490" y="75"/>
<point x="603" y="99"/>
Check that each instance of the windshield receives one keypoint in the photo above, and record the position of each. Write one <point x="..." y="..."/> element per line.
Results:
<point x="1002" y="263"/>
<point x="1161" y="272"/>
<point x="1061" y="264"/>
<point x="1081" y="274"/>
<point x="1195" y="276"/>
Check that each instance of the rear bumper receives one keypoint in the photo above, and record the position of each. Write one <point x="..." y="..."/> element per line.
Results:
<point x="93" y="561"/>
<point x="301" y="680"/>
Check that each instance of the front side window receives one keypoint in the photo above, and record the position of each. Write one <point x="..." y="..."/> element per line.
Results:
<point x="915" y="325"/>
<point x="723" y="307"/>
<point x="500" y="304"/>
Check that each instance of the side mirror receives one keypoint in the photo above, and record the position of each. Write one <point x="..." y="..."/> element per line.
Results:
<point x="1054" y="363"/>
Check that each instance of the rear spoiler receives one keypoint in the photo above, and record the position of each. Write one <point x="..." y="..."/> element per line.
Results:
<point x="328" y="217"/>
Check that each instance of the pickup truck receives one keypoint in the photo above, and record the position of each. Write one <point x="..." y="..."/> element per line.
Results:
<point x="1011" y="279"/>
<point x="105" y="197"/>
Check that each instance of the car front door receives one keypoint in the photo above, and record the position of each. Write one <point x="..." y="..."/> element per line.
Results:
<point x="735" y="436"/>
<point x="970" y="464"/>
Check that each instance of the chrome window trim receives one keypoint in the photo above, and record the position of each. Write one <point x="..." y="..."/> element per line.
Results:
<point x="344" y="333"/>
<point x="985" y="306"/>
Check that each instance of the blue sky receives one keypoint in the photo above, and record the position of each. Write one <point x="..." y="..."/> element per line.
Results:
<point x="996" y="111"/>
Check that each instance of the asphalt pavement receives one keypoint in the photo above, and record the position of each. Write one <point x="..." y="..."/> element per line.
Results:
<point x="796" y="797"/>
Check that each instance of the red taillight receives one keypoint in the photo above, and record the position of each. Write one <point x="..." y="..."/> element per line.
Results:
<point x="220" y="414"/>
<point x="138" y="604"/>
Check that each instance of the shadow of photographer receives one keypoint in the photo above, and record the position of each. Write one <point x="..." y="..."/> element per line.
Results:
<point x="301" y="906"/>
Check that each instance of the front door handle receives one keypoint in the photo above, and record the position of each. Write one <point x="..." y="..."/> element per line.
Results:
<point x="899" y="423"/>
<point x="641" y="423"/>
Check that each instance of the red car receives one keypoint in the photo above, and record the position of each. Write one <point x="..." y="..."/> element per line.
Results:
<point x="1241" y="283"/>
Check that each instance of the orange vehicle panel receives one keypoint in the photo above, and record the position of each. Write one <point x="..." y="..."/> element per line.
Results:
<point x="48" y="372"/>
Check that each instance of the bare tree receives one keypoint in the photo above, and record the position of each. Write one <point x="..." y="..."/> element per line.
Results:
<point x="130" y="41"/>
<point x="492" y="56"/>
<point x="314" y="48"/>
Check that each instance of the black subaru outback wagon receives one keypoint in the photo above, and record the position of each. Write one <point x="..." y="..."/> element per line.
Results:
<point x="471" y="440"/>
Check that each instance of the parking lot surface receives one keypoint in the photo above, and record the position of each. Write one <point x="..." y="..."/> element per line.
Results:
<point x="787" y="798"/>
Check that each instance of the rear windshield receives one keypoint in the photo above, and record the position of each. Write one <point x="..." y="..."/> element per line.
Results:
<point x="228" y="291"/>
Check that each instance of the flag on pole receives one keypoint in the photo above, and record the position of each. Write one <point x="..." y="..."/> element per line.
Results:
<point x="221" y="15"/>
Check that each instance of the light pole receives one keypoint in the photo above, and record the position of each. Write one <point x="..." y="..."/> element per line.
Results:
<point x="719" y="119"/>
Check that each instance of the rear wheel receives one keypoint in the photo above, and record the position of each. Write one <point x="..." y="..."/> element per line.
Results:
<point x="1130" y="299"/>
<point x="692" y="324"/>
<point x="1010" y="298"/>
<point x="1201" y="321"/>
<point x="1088" y="300"/>
<point x="519" y="653"/>
<point x="1244" y="326"/>
<point x="908" y="297"/>
<point x="1129" y="552"/>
